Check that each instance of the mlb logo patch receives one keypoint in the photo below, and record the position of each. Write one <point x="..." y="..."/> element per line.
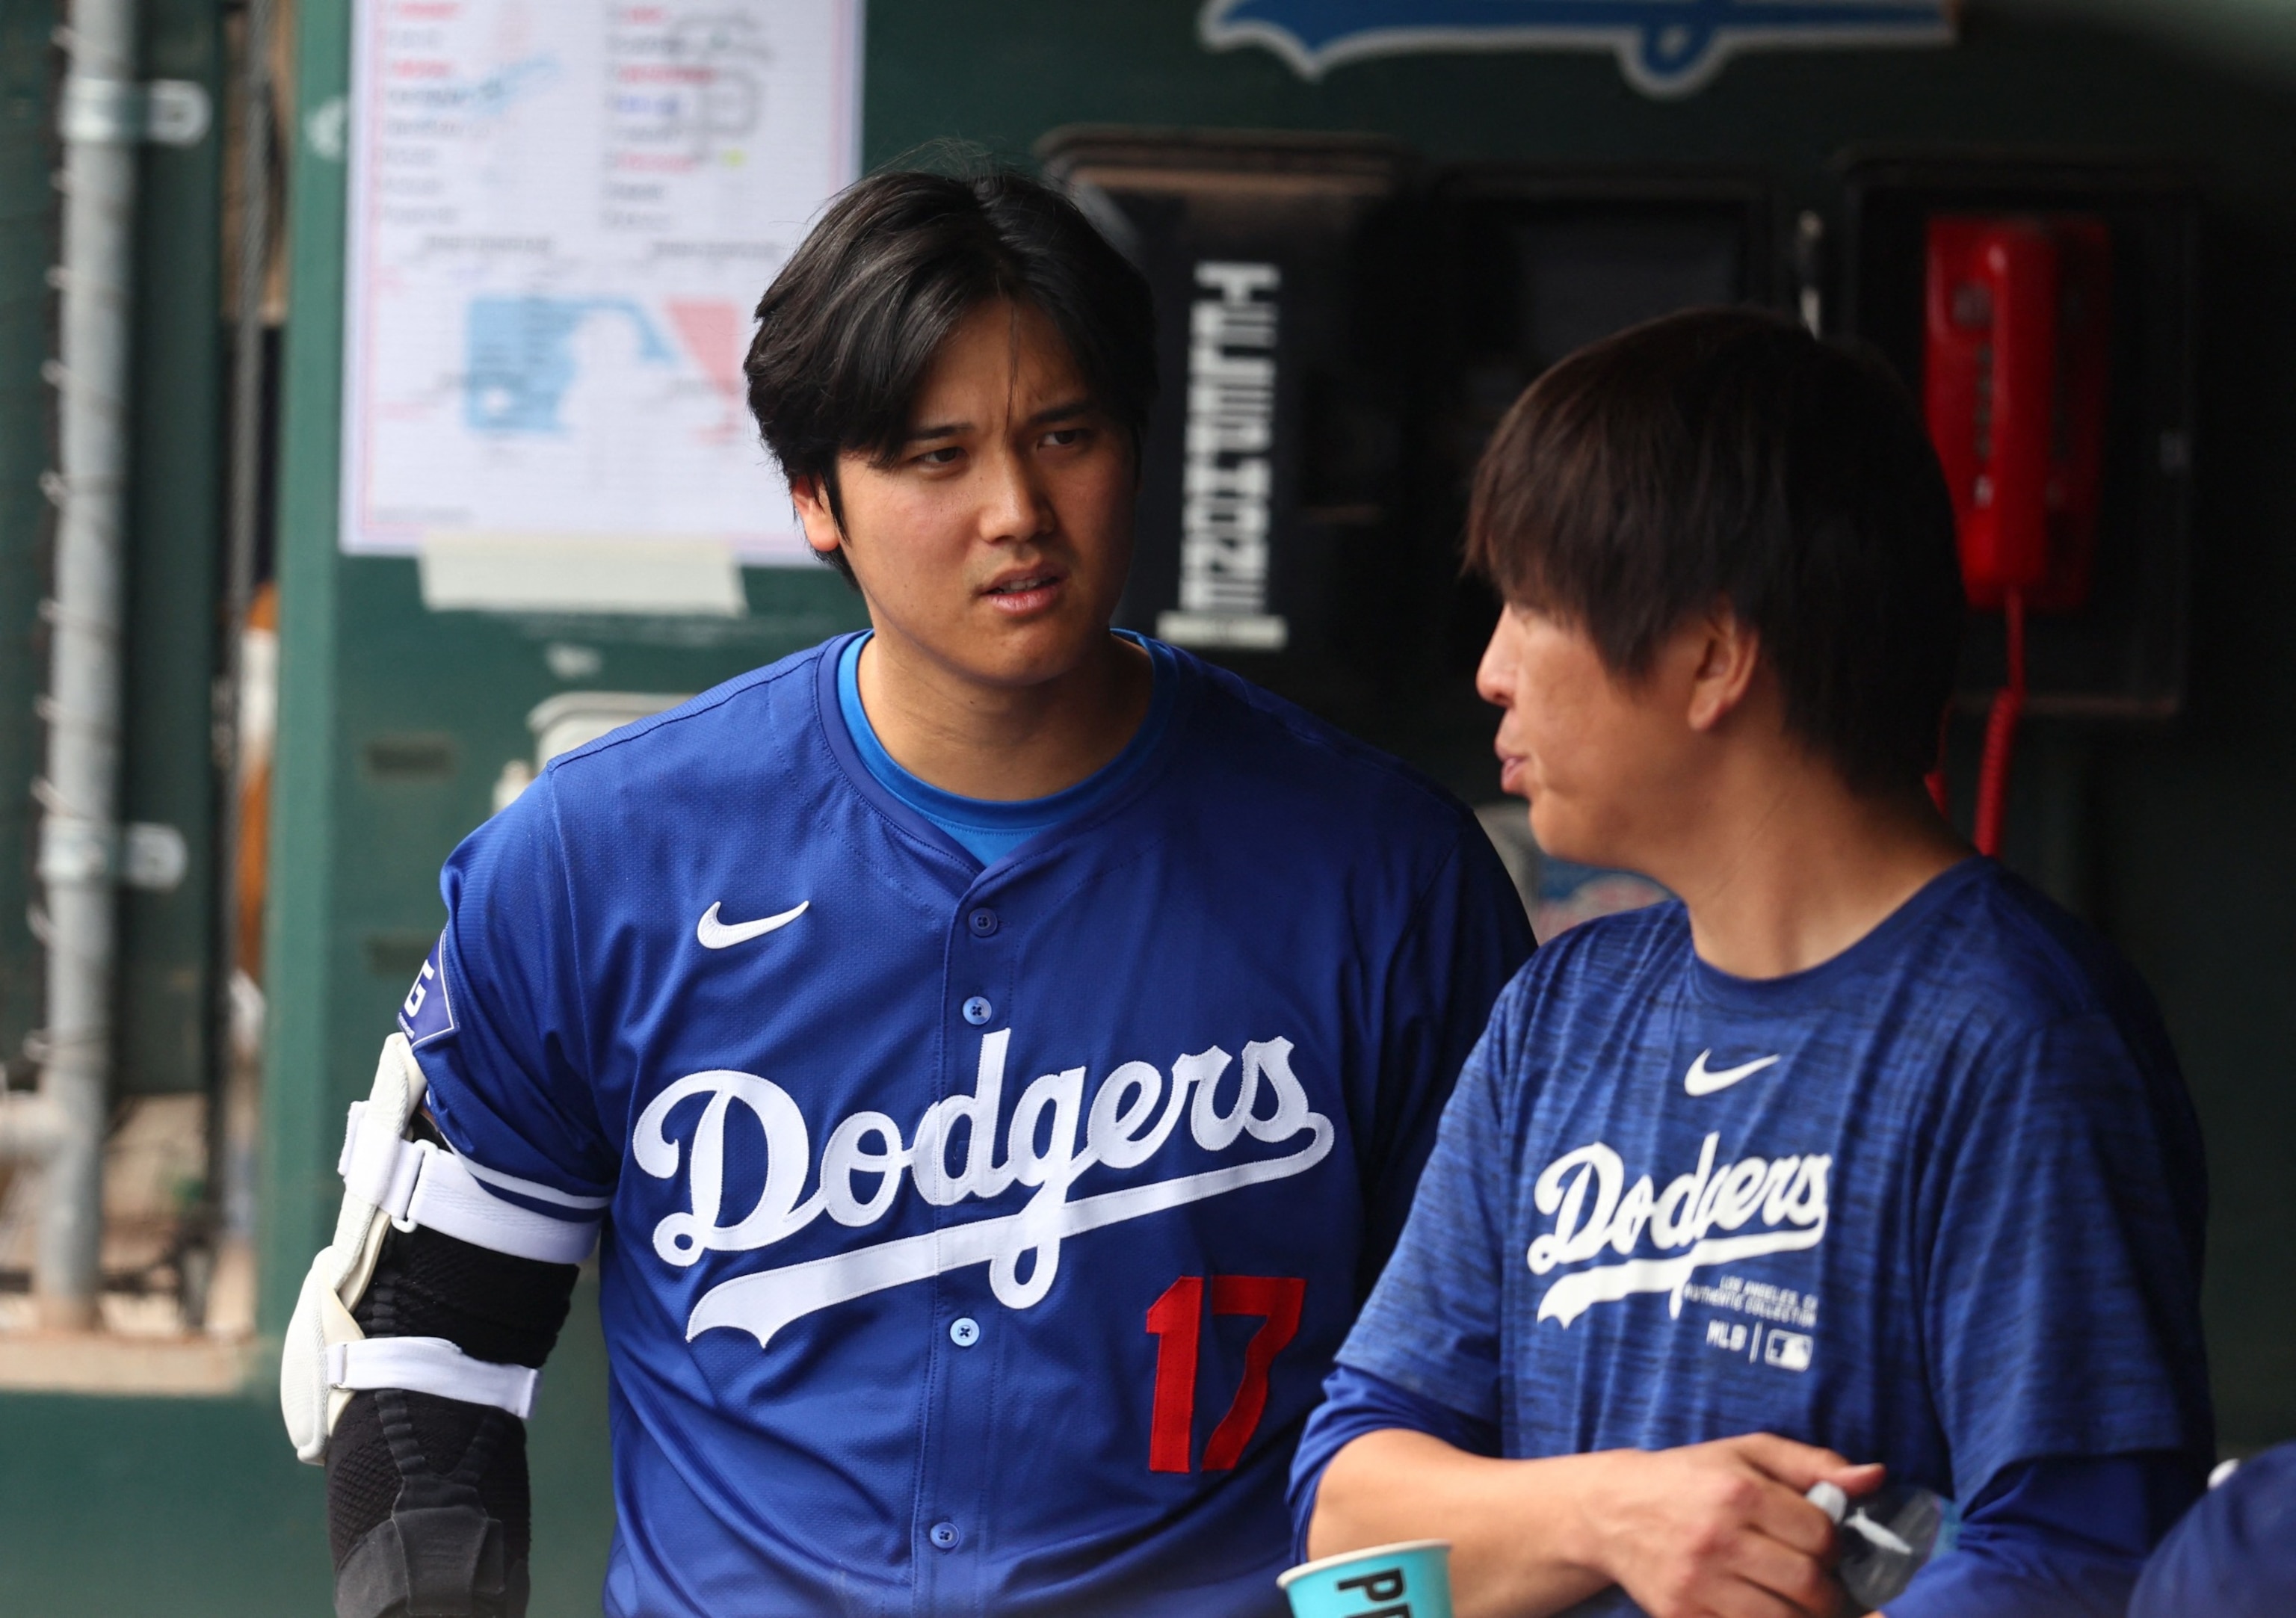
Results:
<point x="1789" y="1350"/>
<point x="428" y="1012"/>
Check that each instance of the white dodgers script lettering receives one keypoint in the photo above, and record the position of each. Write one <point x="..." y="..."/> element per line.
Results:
<point x="1053" y="1136"/>
<point x="1593" y="1208"/>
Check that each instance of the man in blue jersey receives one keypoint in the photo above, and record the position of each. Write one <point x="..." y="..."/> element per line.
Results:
<point x="998" y="1053"/>
<point x="1861" y="1160"/>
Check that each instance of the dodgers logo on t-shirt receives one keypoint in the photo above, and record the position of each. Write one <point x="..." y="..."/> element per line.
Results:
<point x="1783" y="1197"/>
<point x="427" y="1013"/>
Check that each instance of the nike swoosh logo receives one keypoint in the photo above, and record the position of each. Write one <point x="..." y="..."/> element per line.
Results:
<point x="711" y="933"/>
<point x="1698" y="1081"/>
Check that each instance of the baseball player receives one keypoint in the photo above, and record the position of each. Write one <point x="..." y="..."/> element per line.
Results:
<point x="992" y="1056"/>
<point x="1862" y="1159"/>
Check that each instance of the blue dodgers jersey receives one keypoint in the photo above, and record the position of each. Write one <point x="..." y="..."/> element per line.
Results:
<point x="976" y="1238"/>
<point x="1937" y="1203"/>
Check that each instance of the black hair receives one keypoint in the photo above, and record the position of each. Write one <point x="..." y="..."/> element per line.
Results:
<point x="1727" y="455"/>
<point x="852" y="323"/>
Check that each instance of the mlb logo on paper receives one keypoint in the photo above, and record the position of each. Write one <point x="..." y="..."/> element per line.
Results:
<point x="427" y="1013"/>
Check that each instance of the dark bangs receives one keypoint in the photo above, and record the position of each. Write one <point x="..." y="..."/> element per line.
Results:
<point x="850" y="326"/>
<point x="1726" y="455"/>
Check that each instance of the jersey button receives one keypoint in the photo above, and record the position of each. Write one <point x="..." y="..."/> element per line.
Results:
<point x="983" y="923"/>
<point x="978" y="1010"/>
<point x="943" y="1535"/>
<point x="965" y="1331"/>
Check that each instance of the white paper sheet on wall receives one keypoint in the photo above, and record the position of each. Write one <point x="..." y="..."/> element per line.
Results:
<point x="561" y="213"/>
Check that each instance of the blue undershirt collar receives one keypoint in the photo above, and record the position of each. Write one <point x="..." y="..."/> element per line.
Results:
<point x="989" y="829"/>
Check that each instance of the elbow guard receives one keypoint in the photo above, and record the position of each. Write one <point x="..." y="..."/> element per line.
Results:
<point x="393" y="1182"/>
<point x="412" y="1360"/>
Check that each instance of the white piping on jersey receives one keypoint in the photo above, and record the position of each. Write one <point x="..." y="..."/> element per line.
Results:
<point x="1786" y="1191"/>
<point x="1041" y="1150"/>
<point x="527" y="1188"/>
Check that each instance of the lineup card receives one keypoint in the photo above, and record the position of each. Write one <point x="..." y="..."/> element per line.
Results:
<point x="562" y="214"/>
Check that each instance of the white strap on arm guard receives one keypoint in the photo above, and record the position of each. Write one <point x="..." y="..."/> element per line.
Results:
<point x="431" y="1365"/>
<point x="389" y="1179"/>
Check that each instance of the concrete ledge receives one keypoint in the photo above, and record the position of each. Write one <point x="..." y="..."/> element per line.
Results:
<point x="101" y="1362"/>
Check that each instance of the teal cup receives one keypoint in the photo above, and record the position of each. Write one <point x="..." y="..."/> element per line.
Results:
<point x="1411" y="1579"/>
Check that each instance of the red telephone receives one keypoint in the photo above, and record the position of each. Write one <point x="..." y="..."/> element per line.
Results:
<point x="2018" y="358"/>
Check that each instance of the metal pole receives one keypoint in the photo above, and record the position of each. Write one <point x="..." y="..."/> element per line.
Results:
<point x="79" y="834"/>
<point x="247" y="376"/>
<point x="225" y="1077"/>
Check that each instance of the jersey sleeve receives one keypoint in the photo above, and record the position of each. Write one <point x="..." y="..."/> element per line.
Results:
<point x="1356" y="1403"/>
<point x="2061" y="1306"/>
<point x="1432" y="1326"/>
<point x="1469" y="937"/>
<point x="496" y="1017"/>
<point x="2056" y="1539"/>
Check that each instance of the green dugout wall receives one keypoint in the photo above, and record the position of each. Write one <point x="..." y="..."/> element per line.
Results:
<point x="395" y="721"/>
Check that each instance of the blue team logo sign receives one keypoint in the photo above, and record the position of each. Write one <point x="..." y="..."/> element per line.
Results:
<point x="1665" y="47"/>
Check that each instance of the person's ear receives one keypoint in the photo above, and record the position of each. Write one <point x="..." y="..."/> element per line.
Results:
<point x="822" y="530"/>
<point x="1729" y="653"/>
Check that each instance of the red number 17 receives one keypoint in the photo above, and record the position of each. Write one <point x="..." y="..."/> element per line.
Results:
<point x="1176" y="1320"/>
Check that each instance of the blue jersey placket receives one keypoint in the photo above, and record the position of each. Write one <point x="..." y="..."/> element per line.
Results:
<point x="945" y="1541"/>
<point x="953" y="1527"/>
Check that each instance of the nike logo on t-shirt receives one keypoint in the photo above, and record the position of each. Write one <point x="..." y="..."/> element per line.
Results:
<point x="1701" y="1081"/>
<point x="711" y="933"/>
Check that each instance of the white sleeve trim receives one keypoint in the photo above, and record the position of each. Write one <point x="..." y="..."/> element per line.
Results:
<point x="539" y="1192"/>
<point x="419" y="1186"/>
<point x="431" y="1365"/>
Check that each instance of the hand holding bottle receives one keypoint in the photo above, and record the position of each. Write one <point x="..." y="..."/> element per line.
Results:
<point x="1887" y="1537"/>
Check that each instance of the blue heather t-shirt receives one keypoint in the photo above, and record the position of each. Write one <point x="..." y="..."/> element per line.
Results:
<point x="988" y="829"/>
<point x="1938" y="1202"/>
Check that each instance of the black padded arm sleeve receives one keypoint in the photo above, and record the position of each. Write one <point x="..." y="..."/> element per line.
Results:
<point x="428" y="1512"/>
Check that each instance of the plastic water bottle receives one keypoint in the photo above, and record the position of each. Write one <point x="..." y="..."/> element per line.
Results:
<point x="1887" y="1537"/>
